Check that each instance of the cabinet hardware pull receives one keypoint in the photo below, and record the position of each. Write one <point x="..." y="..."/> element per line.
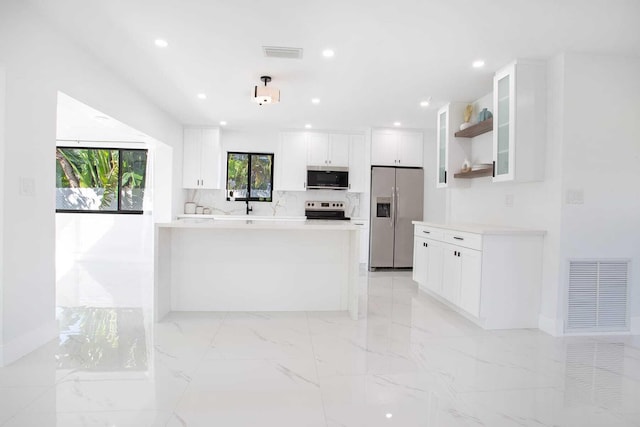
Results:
<point x="304" y="185"/>
<point x="458" y="238"/>
<point x="445" y="177"/>
<point x="427" y="232"/>
<point x="493" y="170"/>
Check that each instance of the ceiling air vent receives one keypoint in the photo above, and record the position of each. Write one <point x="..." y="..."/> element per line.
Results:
<point x="282" y="52"/>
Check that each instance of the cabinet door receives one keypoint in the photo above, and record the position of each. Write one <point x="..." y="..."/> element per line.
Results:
<point x="192" y="152"/>
<point x="384" y="145"/>
<point x="291" y="162"/>
<point x="470" y="280"/>
<point x="357" y="164"/>
<point x="363" y="225"/>
<point x="434" y="266"/>
<point x="210" y="160"/>
<point x="410" y="149"/>
<point x="441" y="155"/>
<point x="317" y="149"/>
<point x="504" y="124"/>
<point x="451" y="274"/>
<point x="420" y="260"/>
<point x="339" y="150"/>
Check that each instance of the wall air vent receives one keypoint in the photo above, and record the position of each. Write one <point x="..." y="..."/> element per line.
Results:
<point x="598" y="296"/>
<point x="282" y="52"/>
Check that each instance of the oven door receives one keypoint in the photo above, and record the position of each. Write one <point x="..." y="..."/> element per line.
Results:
<point x="321" y="178"/>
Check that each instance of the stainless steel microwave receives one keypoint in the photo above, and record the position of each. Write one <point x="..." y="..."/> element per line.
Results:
<point x="332" y="178"/>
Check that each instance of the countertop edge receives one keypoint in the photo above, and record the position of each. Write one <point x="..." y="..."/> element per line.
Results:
<point x="258" y="225"/>
<point x="484" y="229"/>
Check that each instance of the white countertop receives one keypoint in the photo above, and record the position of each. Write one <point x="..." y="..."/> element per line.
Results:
<point x="251" y="224"/>
<point x="482" y="228"/>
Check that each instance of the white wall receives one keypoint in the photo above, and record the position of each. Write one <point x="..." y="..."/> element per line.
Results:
<point x="39" y="63"/>
<point x="601" y="151"/>
<point x="2" y="103"/>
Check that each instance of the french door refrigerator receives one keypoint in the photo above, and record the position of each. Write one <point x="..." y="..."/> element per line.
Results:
<point x="396" y="199"/>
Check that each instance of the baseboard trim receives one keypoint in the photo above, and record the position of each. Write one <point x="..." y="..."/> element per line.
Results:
<point x="26" y="343"/>
<point x="549" y="325"/>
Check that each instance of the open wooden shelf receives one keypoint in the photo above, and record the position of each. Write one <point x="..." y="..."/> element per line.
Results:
<point x="474" y="174"/>
<point x="477" y="129"/>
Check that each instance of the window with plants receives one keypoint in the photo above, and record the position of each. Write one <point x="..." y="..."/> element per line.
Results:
<point x="250" y="176"/>
<point x="100" y="180"/>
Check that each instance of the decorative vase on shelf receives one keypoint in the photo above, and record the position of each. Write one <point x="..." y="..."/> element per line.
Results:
<point x="484" y="115"/>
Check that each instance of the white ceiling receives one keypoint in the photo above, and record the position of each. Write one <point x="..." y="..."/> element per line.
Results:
<point x="389" y="54"/>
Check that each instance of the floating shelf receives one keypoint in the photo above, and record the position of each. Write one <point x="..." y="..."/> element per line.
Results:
<point x="477" y="129"/>
<point x="474" y="174"/>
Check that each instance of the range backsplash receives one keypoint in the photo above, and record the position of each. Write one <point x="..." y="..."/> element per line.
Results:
<point x="285" y="203"/>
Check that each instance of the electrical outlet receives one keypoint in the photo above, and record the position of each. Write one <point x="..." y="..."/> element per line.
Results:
<point x="575" y="197"/>
<point x="508" y="200"/>
<point x="27" y="186"/>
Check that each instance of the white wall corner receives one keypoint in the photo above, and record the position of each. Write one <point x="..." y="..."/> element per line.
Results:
<point x="550" y="326"/>
<point x="635" y="325"/>
<point x="26" y="343"/>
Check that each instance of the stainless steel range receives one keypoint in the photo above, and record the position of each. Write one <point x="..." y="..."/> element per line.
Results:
<point x="325" y="210"/>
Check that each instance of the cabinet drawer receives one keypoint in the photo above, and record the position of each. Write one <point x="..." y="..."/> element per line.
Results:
<point x="466" y="240"/>
<point x="428" y="232"/>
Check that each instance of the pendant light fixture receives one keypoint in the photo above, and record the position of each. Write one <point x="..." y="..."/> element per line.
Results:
<point x="264" y="94"/>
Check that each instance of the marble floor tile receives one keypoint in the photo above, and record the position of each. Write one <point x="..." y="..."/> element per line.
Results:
<point x="408" y="360"/>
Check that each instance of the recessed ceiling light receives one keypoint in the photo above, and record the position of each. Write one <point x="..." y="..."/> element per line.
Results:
<point x="397" y="124"/>
<point x="202" y="96"/>
<point x="315" y="100"/>
<point x="478" y="64"/>
<point x="388" y="415"/>
<point x="223" y="123"/>
<point x="307" y="126"/>
<point x="328" y="53"/>
<point x="424" y="103"/>
<point x="161" y="43"/>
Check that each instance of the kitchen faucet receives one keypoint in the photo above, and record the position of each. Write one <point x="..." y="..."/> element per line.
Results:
<point x="249" y="208"/>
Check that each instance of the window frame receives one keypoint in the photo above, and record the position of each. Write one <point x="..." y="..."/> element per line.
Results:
<point x="119" y="211"/>
<point x="249" y="198"/>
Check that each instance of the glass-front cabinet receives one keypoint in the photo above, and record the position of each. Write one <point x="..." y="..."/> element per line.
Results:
<point x="503" y="136"/>
<point x="442" y="147"/>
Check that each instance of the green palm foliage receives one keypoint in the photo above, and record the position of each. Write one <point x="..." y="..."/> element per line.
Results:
<point x="92" y="168"/>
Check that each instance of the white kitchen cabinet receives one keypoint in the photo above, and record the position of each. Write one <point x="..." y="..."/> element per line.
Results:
<point x="363" y="225"/>
<point x="470" y="275"/>
<point x="391" y="147"/>
<point x="291" y="162"/>
<point x="328" y="149"/>
<point x="202" y="158"/>
<point x="451" y="151"/>
<point x="490" y="274"/>
<point x="357" y="164"/>
<point x="519" y="137"/>
<point x="420" y="260"/>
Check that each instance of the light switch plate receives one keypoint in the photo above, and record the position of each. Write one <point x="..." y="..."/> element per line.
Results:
<point x="27" y="186"/>
<point x="575" y="197"/>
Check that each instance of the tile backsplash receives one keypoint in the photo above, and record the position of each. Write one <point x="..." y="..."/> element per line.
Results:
<point x="285" y="203"/>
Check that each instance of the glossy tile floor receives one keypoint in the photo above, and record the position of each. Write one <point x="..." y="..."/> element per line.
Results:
<point x="408" y="362"/>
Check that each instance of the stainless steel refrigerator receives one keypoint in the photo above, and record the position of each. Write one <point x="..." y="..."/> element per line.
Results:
<point x="397" y="196"/>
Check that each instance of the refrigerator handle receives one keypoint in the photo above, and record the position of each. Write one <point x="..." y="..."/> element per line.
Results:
<point x="393" y="206"/>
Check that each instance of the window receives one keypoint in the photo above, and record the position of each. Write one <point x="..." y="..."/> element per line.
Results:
<point x="104" y="180"/>
<point x="249" y="176"/>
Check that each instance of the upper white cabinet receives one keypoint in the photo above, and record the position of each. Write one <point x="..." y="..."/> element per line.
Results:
<point x="451" y="151"/>
<point x="357" y="164"/>
<point x="291" y="162"/>
<point x="519" y="137"/>
<point x="202" y="158"/>
<point x="390" y="147"/>
<point x="328" y="149"/>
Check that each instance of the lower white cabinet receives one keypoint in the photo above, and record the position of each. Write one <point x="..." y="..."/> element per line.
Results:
<point x="493" y="275"/>
<point x="363" y="225"/>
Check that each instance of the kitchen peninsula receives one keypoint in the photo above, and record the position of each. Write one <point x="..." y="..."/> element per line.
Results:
<point x="256" y="265"/>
